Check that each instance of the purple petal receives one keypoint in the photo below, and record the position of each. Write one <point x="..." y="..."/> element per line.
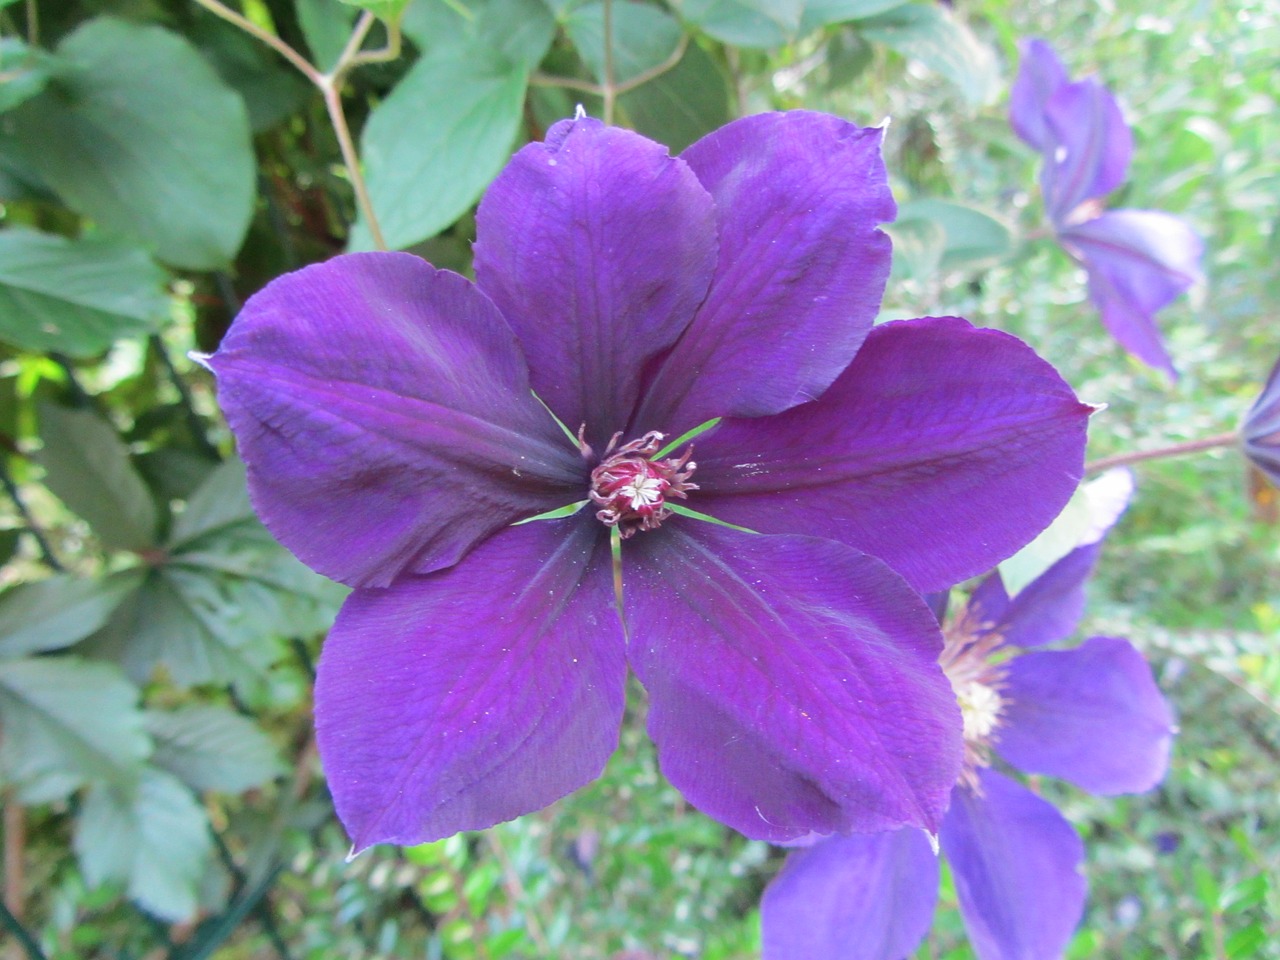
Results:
<point x="1261" y="430"/>
<point x="597" y="246"/>
<point x="801" y="271"/>
<point x="941" y="450"/>
<point x="863" y="897"/>
<point x="1048" y="608"/>
<point x="476" y="694"/>
<point x="1092" y="715"/>
<point x="383" y="410"/>
<point x="1091" y="147"/>
<point x="1138" y="261"/>
<point x="1016" y="864"/>
<point x="989" y="602"/>
<point x="793" y="683"/>
<point x="1040" y="74"/>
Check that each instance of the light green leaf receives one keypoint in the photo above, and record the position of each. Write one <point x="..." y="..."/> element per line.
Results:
<point x="212" y="748"/>
<point x="58" y="611"/>
<point x="75" y="296"/>
<point x="221" y="502"/>
<point x="643" y="37"/>
<point x="154" y="838"/>
<point x="139" y="133"/>
<point x="384" y="9"/>
<point x="437" y="141"/>
<point x="932" y="34"/>
<point x="821" y="13"/>
<point x="87" y="465"/>
<point x="747" y="23"/>
<point x="67" y="722"/>
<point x="326" y="24"/>
<point x="26" y="71"/>
<point x="970" y="235"/>
<point x="918" y="246"/>
<point x="519" y="30"/>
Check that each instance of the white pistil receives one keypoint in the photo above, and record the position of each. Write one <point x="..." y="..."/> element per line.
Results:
<point x="644" y="492"/>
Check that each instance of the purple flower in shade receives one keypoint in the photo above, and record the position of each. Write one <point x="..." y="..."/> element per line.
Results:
<point x="1137" y="261"/>
<point x="1261" y="431"/>
<point x="384" y="410"/>
<point x="1091" y="715"/>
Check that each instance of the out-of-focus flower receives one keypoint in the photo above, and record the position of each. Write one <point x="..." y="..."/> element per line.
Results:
<point x="1261" y="430"/>
<point x="401" y="424"/>
<point x="1137" y="261"/>
<point x="1091" y="715"/>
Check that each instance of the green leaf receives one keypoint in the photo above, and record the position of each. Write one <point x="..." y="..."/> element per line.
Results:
<point x="26" y="70"/>
<point x="747" y="23"/>
<point x="155" y="838"/>
<point x="138" y="133"/>
<point x="918" y="246"/>
<point x="821" y="13"/>
<point x="221" y="502"/>
<point x="683" y="104"/>
<point x="271" y="89"/>
<point x="931" y="34"/>
<point x="66" y="722"/>
<point x="212" y="748"/>
<point x="519" y="30"/>
<point x="58" y="611"/>
<point x="87" y="465"/>
<point x="327" y="25"/>
<point x="383" y="9"/>
<point x="75" y="296"/>
<point x="970" y="235"/>
<point x="643" y="37"/>
<point x="437" y="141"/>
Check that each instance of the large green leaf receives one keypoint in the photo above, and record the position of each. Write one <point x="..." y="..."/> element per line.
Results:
<point x="75" y="296"/>
<point x="155" y="838"/>
<point x="212" y="748"/>
<point x="683" y="104"/>
<point x="138" y="132"/>
<point x="933" y="35"/>
<point x="747" y="23"/>
<point x="437" y="141"/>
<point x="327" y="26"/>
<point x="26" y="71"/>
<point x="970" y="235"/>
<point x="519" y="30"/>
<point x="87" y="465"/>
<point x="821" y="13"/>
<point x="67" y="722"/>
<point x="643" y="37"/>
<point x="58" y="611"/>
<point x="220" y="503"/>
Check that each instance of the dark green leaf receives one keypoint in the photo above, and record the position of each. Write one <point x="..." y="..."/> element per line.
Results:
<point x="75" y="296"/>
<point x="139" y="133"/>
<point x="66" y="722"/>
<point x="221" y="502"/>
<point x="747" y="23"/>
<point x="271" y="89"/>
<point x="54" y="613"/>
<point x="26" y="71"/>
<point x="683" y="104"/>
<point x="437" y="141"/>
<point x="519" y="30"/>
<point x="87" y="466"/>
<point x="155" y="838"/>
<point x="932" y="34"/>
<point x="971" y="235"/>
<point x="643" y="37"/>
<point x="212" y="748"/>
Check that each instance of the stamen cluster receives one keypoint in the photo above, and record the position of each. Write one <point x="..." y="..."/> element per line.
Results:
<point x="978" y="684"/>
<point x="631" y="489"/>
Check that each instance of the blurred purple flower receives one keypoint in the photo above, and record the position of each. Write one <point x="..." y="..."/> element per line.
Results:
<point x="1261" y="430"/>
<point x="1137" y="261"/>
<point x="1091" y="715"/>
<point x="476" y="673"/>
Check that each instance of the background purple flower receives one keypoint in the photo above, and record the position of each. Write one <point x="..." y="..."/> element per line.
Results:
<point x="384" y="410"/>
<point x="1261" y="430"/>
<point x="1091" y="715"/>
<point x="1137" y="261"/>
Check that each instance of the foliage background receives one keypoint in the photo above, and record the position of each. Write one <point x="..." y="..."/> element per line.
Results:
<point x="161" y="792"/>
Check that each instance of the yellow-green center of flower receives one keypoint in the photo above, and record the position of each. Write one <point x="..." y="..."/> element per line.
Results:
<point x="978" y="684"/>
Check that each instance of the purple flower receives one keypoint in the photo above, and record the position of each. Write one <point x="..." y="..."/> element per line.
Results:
<point x="1137" y="261"/>
<point x="1261" y="430"/>
<point x="1091" y="715"/>
<point x="384" y="409"/>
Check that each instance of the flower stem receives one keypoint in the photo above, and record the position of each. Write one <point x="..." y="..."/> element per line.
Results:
<point x="1159" y="453"/>
<point x="610" y="91"/>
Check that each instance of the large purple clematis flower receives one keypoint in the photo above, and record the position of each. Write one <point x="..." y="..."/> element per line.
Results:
<point x="397" y="423"/>
<point x="1137" y="261"/>
<point x="1091" y="715"/>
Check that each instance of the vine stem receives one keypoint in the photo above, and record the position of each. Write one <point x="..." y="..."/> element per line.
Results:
<point x="610" y="91"/>
<point x="330" y="87"/>
<point x="598" y="90"/>
<point x="1159" y="453"/>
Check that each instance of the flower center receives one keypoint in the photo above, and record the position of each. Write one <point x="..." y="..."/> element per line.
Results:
<point x="631" y="488"/>
<point x="978" y="684"/>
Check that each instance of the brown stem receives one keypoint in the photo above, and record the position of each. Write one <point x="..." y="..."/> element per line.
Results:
<point x="1159" y="453"/>
<point x="15" y="846"/>
<point x="610" y="91"/>
<point x="516" y="891"/>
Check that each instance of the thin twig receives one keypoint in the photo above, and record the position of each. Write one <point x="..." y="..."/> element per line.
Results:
<point x="270" y="39"/>
<point x="15" y="852"/>
<point x="333" y="106"/>
<point x="1159" y="453"/>
<point x="33" y="24"/>
<point x="610" y="91"/>
<point x="194" y="424"/>
<point x="46" y="550"/>
<point x="516" y="891"/>
<point x="596" y="90"/>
